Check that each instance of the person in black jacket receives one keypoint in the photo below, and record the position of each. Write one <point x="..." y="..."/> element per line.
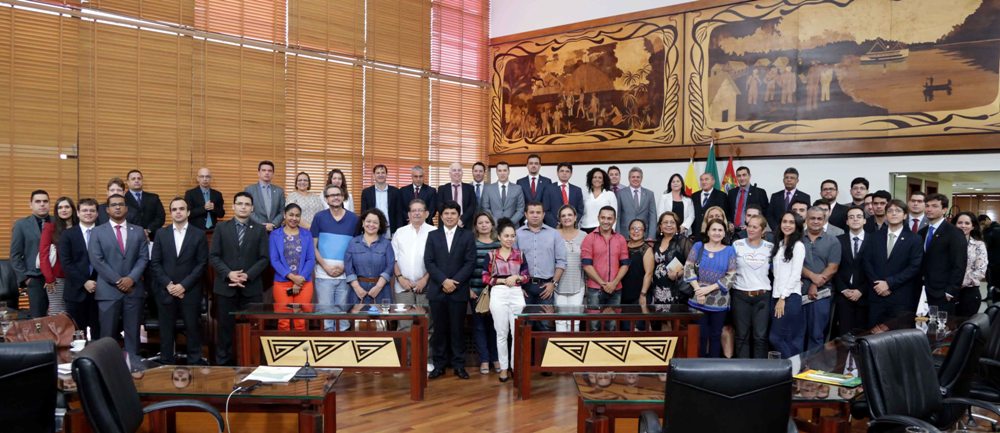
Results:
<point x="894" y="271"/>
<point x="781" y="201"/>
<point x="207" y="204"/>
<point x="945" y="255"/>
<point x="851" y="286"/>
<point x="81" y="278"/>
<point x="395" y="209"/>
<point x="450" y="256"/>
<point x="145" y="207"/>
<point x="742" y="197"/>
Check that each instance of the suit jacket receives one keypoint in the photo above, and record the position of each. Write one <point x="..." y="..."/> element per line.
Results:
<point x="945" y="258"/>
<point x="646" y="211"/>
<point x="226" y="256"/>
<point x="776" y="206"/>
<point x="427" y="193"/>
<point x="149" y="214"/>
<point x="196" y="200"/>
<point x="75" y="263"/>
<point x="553" y="201"/>
<point x="540" y="186"/>
<point x="132" y="217"/>
<point x="469" y="204"/>
<point x="185" y="269"/>
<point x="755" y="196"/>
<point x="838" y="216"/>
<point x="112" y="265"/>
<point x="263" y="216"/>
<point x="920" y="224"/>
<point x="513" y="208"/>
<point x="853" y="267"/>
<point x="456" y="264"/>
<point x="24" y="242"/>
<point x="901" y="270"/>
<point x="396" y="216"/>
<point x="717" y="198"/>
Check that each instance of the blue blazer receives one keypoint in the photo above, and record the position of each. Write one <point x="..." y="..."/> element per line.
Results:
<point x="901" y="270"/>
<point x="75" y="263"/>
<point x="553" y="201"/>
<point x="307" y="260"/>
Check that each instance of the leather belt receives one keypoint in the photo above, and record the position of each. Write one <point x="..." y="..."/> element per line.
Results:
<point x="754" y="292"/>
<point x="368" y="279"/>
<point x="540" y="281"/>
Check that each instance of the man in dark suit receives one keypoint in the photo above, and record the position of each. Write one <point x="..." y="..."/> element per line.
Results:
<point x="704" y="199"/>
<point x="781" y="201"/>
<point x="478" y="183"/>
<point x="851" y="286"/>
<point x="119" y="252"/>
<point x="449" y="257"/>
<point x="742" y="196"/>
<point x="880" y="199"/>
<point x="916" y="205"/>
<point x="207" y="204"/>
<point x="534" y="184"/>
<point x="991" y="236"/>
<point x="81" y="278"/>
<point x="180" y="255"/>
<point x="828" y="191"/>
<point x="892" y="265"/>
<point x="386" y="198"/>
<point x="269" y="199"/>
<point x="421" y="190"/>
<point x="239" y="255"/>
<point x="562" y="193"/>
<point x="25" y="237"/>
<point x="465" y="197"/>
<point x="150" y="210"/>
<point x="945" y="255"/>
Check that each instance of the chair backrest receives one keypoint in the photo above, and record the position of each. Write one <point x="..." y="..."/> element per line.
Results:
<point x="898" y="374"/>
<point x="28" y="382"/>
<point x="8" y="284"/>
<point x="962" y="361"/>
<point x="106" y="389"/>
<point x="728" y="395"/>
<point x="992" y="312"/>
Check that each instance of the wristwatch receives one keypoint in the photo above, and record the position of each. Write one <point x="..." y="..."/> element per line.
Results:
<point x="555" y="284"/>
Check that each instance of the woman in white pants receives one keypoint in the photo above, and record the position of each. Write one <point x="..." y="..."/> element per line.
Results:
<point x="569" y="292"/>
<point x="504" y="274"/>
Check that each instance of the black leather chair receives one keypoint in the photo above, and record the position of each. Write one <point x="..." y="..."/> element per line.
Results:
<point x="108" y="393"/>
<point x="28" y="381"/>
<point x="961" y="364"/>
<point x="8" y="284"/>
<point x="725" y="395"/>
<point x="992" y="312"/>
<point x="901" y="386"/>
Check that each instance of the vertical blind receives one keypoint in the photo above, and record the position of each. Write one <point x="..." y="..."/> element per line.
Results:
<point x="169" y="86"/>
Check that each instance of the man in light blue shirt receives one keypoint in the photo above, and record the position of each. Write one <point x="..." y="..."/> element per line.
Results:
<point x="545" y="254"/>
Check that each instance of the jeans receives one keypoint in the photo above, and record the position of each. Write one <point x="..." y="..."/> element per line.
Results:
<point x="598" y="299"/>
<point x="573" y="300"/>
<point x="505" y="302"/>
<point x="817" y="316"/>
<point x="750" y="317"/>
<point x="483" y="335"/>
<point x="331" y="294"/>
<point x="534" y="298"/>
<point x="384" y="296"/>
<point x="787" y="332"/>
<point x="710" y="327"/>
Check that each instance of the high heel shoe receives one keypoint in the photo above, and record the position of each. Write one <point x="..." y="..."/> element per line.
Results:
<point x="504" y="379"/>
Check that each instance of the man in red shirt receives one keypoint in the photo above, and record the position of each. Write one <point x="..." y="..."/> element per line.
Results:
<point x="604" y="255"/>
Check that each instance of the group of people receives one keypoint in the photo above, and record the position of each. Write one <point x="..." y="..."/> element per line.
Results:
<point x="788" y="268"/>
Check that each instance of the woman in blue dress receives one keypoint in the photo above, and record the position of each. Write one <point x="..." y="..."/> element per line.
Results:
<point x="711" y="269"/>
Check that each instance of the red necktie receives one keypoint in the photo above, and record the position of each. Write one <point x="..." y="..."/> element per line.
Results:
<point x="739" y="208"/>
<point x="118" y="234"/>
<point x="916" y="226"/>
<point x="565" y="196"/>
<point x="532" y="187"/>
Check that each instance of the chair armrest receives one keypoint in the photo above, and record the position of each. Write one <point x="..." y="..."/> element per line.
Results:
<point x="649" y="422"/>
<point x="959" y="401"/>
<point x="989" y="362"/>
<point x="170" y="404"/>
<point x="893" y="422"/>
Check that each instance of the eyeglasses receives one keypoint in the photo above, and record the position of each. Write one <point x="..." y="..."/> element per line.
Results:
<point x="334" y="195"/>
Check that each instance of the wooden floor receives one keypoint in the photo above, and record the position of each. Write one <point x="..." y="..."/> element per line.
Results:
<point x="368" y="403"/>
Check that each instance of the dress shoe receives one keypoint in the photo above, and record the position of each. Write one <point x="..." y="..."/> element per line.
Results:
<point x="461" y="373"/>
<point x="438" y="372"/>
<point x="504" y="379"/>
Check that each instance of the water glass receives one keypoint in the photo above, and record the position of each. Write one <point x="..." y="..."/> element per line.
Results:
<point x="932" y="312"/>
<point x="942" y="319"/>
<point x="79" y="340"/>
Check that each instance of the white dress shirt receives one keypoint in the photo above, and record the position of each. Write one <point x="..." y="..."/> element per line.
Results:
<point x="449" y="235"/>
<point x="114" y="232"/>
<point x="179" y="236"/>
<point x="592" y="206"/>
<point x="86" y="238"/>
<point x="408" y="245"/>
<point x="788" y="275"/>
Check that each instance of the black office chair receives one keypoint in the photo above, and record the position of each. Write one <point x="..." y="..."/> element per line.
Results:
<point x="108" y="393"/>
<point x="28" y="379"/>
<point x="901" y="386"/>
<point x="725" y="395"/>
<point x="9" y="291"/>
<point x="992" y="312"/>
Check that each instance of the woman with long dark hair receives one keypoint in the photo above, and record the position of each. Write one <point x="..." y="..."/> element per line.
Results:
<point x="969" y="297"/>
<point x="64" y="217"/>
<point x="598" y="195"/>
<point x="789" y="253"/>
<point x="675" y="200"/>
<point x="336" y="177"/>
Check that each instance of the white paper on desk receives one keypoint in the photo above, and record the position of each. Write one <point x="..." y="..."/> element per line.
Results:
<point x="269" y="374"/>
<point x="675" y="265"/>
<point x="923" y="310"/>
<point x="796" y="362"/>
<point x="825" y="293"/>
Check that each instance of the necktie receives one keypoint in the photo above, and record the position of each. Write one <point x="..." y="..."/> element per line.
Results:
<point x="208" y="215"/>
<point x="266" y="192"/>
<point x="138" y="198"/>
<point x="503" y="193"/>
<point x="916" y="226"/>
<point x="635" y="196"/>
<point x="532" y="187"/>
<point x="892" y="243"/>
<point x="455" y="195"/>
<point x="704" y="200"/>
<point x="788" y="199"/>
<point x="565" y="196"/>
<point x="615" y="188"/>
<point x="930" y="235"/>
<point x="739" y="207"/>
<point x="416" y="191"/>
<point x="118" y="234"/>
<point x="479" y="195"/>
<point x="856" y="246"/>
<point x="241" y="229"/>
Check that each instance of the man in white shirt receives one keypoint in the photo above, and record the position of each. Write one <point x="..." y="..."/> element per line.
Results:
<point x="915" y="219"/>
<point x="408" y="246"/>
